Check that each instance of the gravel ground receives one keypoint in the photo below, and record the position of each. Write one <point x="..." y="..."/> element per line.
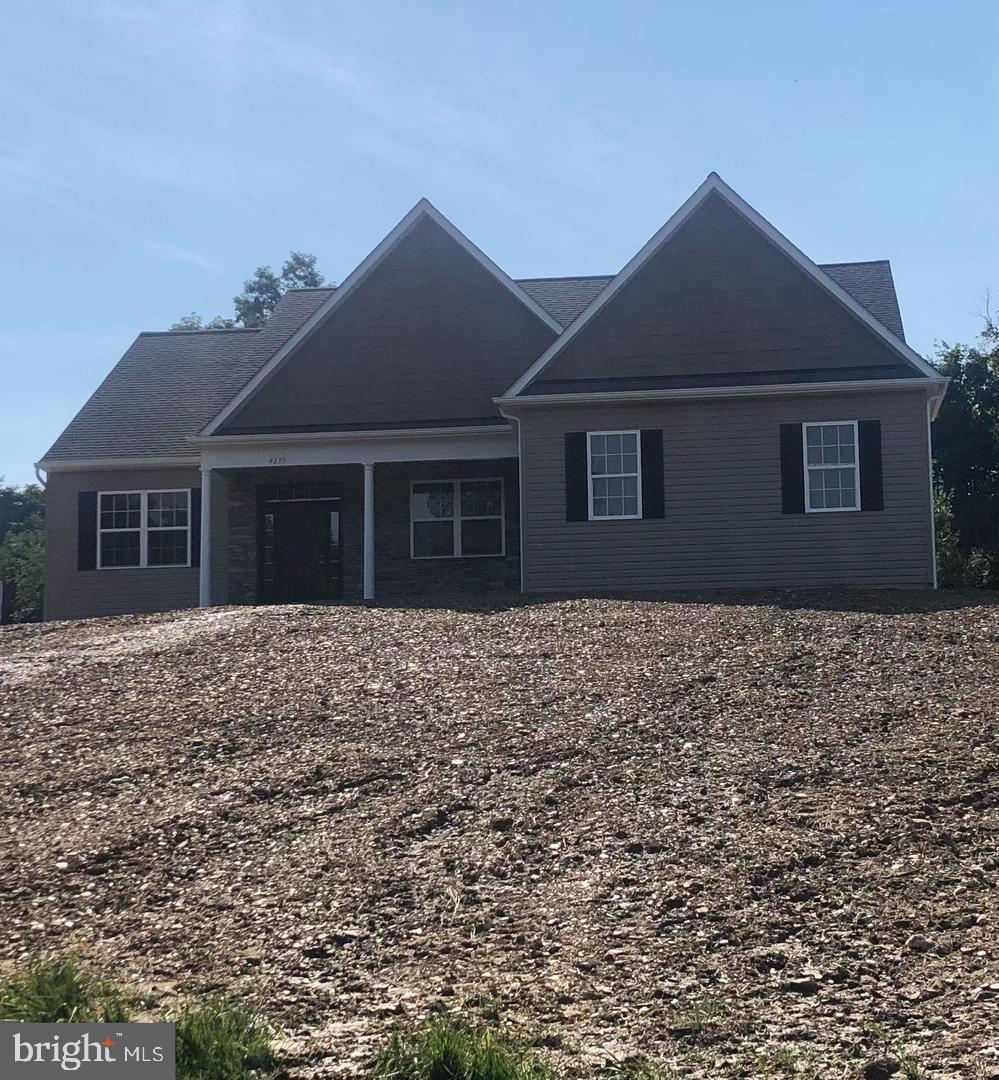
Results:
<point x="719" y="834"/>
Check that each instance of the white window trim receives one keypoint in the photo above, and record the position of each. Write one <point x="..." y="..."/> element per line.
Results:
<point x="143" y="529"/>
<point x="589" y="476"/>
<point x="457" y="519"/>
<point x="809" y="509"/>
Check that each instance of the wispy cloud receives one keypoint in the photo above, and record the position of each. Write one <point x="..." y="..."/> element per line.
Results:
<point x="354" y="101"/>
<point x="22" y="174"/>
<point x="168" y="252"/>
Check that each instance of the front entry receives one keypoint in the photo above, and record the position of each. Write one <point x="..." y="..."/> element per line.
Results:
<point x="300" y="538"/>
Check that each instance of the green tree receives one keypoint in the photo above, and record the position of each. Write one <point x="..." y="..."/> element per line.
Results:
<point x="300" y="272"/>
<point x="966" y="451"/>
<point x="22" y="547"/>
<point x="261" y="294"/>
<point x="195" y="322"/>
<point x="259" y="297"/>
<point x="18" y="504"/>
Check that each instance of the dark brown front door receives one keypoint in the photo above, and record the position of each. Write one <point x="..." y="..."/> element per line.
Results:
<point x="301" y="561"/>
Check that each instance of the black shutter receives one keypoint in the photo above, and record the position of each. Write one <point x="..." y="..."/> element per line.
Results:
<point x="792" y="469"/>
<point x="653" y="500"/>
<point x="577" y="501"/>
<point x="872" y="496"/>
<point x="195" y="526"/>
<point x="86" y="531"/>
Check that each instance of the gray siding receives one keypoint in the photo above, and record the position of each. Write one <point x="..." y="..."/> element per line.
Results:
<point x="718" y="299"/>
<point x="76" y="594"/>
<point x="723" y="526"/>
<point x="429" y="337"/>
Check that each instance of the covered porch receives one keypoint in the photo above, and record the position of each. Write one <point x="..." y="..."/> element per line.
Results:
<point x="348" y="518"/>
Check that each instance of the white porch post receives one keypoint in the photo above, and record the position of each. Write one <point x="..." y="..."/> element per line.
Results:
<point x="205" y="577"/>
<point x="369" y="531"/>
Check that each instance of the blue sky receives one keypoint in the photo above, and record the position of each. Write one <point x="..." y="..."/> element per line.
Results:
<point x="153" y="153"/>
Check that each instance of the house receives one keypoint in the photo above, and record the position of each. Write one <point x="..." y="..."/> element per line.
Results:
<point x="722" y="413"/>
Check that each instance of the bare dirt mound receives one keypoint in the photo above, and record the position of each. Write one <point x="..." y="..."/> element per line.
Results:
<point x="733" y="837"/>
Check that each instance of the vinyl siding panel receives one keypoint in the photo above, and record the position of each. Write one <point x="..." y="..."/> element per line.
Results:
<point x="429" y="337"/>
<point x="724" y="527"/>
<point x="717" y="298"/>
<point x="78" y="594"/>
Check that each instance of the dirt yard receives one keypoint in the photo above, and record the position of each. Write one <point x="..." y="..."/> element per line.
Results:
<point x="733" y="837"/>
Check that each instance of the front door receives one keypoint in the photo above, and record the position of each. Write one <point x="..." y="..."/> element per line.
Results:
<point x="300" y="552"/>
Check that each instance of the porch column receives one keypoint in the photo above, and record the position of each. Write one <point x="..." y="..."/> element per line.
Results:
<point x="369" y="532"/>
<point x="205" y="576"/>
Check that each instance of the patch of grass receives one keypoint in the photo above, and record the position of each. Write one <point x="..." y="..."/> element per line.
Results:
<point x="790" y="1061"/>
<point x="442" y="1049"/>
<point x="638" y="1067"/>
<point x="909" y="1065"/>
<point x="60" y="989"/>
<point x="221" y="1040"/>
<point x="703" y="1017"/>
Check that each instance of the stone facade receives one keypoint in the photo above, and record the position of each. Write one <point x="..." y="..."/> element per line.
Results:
<point x="398" y="576"/>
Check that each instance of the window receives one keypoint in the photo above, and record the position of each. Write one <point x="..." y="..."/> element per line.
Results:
<point x="832" y="469"/>
<point x="615" y="474"/>
<point x="452" y="519"/>
<point x="144" y="528"/>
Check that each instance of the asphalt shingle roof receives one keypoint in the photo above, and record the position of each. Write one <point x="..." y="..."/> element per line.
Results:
<point x="870" y="284"/>
<point x="566" y="298"/>
<point x="170" y="384"/>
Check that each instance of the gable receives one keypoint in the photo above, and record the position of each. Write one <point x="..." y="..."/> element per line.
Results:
<point x="718" y="303"/>
<point x="427" y="338"/>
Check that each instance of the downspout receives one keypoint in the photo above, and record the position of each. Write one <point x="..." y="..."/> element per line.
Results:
<point x="520" y="493"/>
<point x="933" y="403"/>
<point x="42" y="480"/>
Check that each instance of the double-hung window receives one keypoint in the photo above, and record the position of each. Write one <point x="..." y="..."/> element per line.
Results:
<point x="614" y="468"/>
<point x="143" y="528"/>
<point x="456" y="519"/>
<point x="832" y="466"/>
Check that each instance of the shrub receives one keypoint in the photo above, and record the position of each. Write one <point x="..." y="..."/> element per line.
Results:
<point x="444" y="1050"/>
<point x="61" y="990"/>
<point x="958" y="568"/>
<point x="221" y="1040"/>
<point x="22" y="561"/>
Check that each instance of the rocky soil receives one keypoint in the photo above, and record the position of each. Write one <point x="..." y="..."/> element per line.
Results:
<point x="741" y="838"/>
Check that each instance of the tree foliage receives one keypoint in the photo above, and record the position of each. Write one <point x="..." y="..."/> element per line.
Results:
<point x="966" y="460"/>
<point x="22" y="547"/>
<point x="261" y="294"/>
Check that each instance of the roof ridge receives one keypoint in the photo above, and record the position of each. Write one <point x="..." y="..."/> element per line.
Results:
<point x="204" y="330"/>
<point x="566" y="277"/>
<point x="857" y="262"/>
<point x="311" y="288"/>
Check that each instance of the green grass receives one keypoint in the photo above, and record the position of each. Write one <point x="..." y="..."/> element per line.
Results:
<point x="221" y="1040"/>
<point x="781" y="1061"/>
<point x="909" y="1066"/>
<point x="61" y="990"/>
<point x="444" y="1050"/>
<point x="638" y="1067"/>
